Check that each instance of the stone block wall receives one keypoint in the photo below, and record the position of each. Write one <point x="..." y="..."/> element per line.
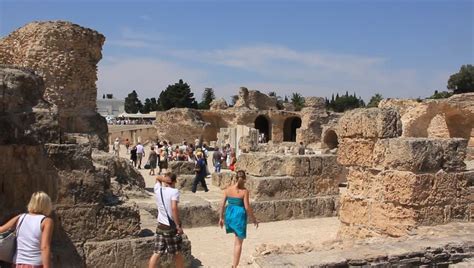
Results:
<point x="288" y="186"/>
<point x="396" y="184"/>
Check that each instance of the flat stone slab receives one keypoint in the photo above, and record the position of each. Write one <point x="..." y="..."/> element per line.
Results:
<point x="437" y="245"/>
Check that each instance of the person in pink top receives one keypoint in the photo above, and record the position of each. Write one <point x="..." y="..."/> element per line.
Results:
<point x="34" y="232"/>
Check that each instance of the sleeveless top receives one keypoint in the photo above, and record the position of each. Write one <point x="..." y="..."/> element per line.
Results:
<point x="29" y="240"/>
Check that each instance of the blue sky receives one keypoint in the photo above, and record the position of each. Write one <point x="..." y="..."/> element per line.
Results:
<point x="396" y="48"/>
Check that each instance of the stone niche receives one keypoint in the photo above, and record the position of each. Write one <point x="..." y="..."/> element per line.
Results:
<point x="66" y="56"/>
<point x="395" y="183"/>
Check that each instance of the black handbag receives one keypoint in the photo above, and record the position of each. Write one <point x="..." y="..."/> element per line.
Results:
<point x="8" y="243"/>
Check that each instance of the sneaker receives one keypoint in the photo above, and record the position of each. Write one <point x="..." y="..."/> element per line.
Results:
<point x="207" y="190"/>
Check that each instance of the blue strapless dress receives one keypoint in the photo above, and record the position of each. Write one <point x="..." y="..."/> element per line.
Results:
<point x="236" y="217"/>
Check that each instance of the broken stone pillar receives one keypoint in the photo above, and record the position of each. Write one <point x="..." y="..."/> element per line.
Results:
<point x="396" y="184"/>
<point x="65" y="55"/>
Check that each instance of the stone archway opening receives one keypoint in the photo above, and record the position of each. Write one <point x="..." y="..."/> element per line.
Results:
<point x="331" y="139"/>
<point x="289" y="128"/>
<point x="264" y="127"/>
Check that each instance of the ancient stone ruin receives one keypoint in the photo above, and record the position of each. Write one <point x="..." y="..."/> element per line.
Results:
<point x="395" y="183"/>
<point x="252" y="109"/>
<point x="65" y="55"/>
<point x="48" y="137"/>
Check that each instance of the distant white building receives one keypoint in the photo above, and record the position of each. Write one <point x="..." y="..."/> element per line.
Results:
<point x="109" y="106"/>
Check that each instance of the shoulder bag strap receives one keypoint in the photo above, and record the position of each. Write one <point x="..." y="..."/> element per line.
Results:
<point x="17" y="229"/>
<point x="164" y="206"/>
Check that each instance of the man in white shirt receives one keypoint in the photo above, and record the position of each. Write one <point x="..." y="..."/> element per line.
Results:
<point x="140" y="154"/>
<point x="169" y="230"/>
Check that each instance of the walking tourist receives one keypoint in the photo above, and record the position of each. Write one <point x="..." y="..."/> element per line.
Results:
<point x="127" y="145"/>
<point x="201" y="173"/>
<point x="168" y="232"/>
<point x="140" y="154"/>
<point x="116" y="147"/>
<point x="233" y="161"/>
<point x="163" y="161"/>
<point x="235" y="216"/>
<point x="133" y="155"/>
<point x="34" y="231"/>
<point x="217" y="160"/>
<point x="152" y="160"/>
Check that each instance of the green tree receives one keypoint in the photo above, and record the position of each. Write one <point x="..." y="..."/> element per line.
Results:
<point x="132" y="103"/>
<point x="345" y="102"/>
<point x="462" y="81"/>
<point x="207" y="97"/>
<point x="178" y="95"/>
<point x="298" y="101"/>
<point x="374" y="100"/>
<point x="154" y="105"/>
<point x="146" y="106"/>
<point x="440" y="95"/>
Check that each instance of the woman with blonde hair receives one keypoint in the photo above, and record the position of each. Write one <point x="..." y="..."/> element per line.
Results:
<point x="235" y="218"/>
<point x="34" y="232"/>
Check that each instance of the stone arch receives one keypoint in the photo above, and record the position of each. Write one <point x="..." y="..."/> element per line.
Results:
<point x="438" y="127"/>
<point x="330" y="139"/>
<point x="263" y="124"/>
<point x="289" y="128"/>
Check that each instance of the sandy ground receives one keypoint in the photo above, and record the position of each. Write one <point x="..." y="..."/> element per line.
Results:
<point x="212" y="247"/>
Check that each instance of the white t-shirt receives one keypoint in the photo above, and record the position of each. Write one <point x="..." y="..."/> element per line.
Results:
<point x="140" y="149"/>
<point x="169" y="194"/>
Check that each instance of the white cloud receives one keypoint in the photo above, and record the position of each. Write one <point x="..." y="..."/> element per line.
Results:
<point x="147" y="76"/>
<point x="274" y="68"/>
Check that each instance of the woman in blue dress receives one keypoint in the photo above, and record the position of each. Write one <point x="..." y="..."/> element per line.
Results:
<point x="236" y="211"/>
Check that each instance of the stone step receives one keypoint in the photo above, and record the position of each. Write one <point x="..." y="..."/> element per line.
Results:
<point x="281" y="187"/>
<point x="198" y="212"/>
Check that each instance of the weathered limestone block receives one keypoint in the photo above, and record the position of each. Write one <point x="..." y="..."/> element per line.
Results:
<point x="181" y="167"/>
<point x="356" y="152"/>
<point x="392" y="220"/>
<point x="223" y="179"/>
<point x="190" y="125"/>
<point x="267" y="165"/>
<point x="26" y="118"/>
<point x="354" y="211"/>
<point x="126" y="253"/>
<point x="24" y="170"/>
<point x="420" y="154"/>
<point x="70" y="156"/>
<point x="98" y="222"/>
<point x="218" y="104"/>
<point x="192" y="214"/>
<point x="185" y="182"/>
<point x="300" y="208"/>
<point x="364" y="183"/>
<point x="121" y="169"/>
<point x="370" y="123"/>
<point x="272" y="188"/>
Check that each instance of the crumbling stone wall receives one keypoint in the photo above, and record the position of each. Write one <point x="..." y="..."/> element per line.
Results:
<point x="89" y="197"/>
<point x="396" y="184"/>
<point x="452" y="117"/>
<point x="66" y="56"/>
